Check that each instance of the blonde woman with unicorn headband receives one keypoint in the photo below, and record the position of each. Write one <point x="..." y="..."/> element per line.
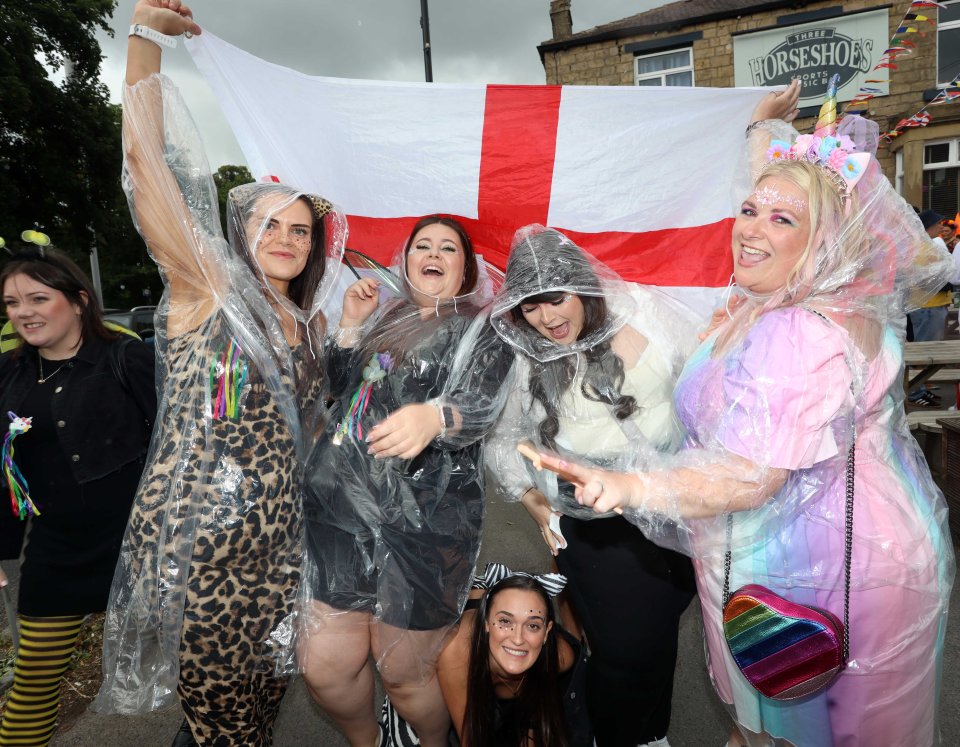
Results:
<point x="800" y="481"/>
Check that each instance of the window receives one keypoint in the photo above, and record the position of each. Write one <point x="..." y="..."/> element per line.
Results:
<point x="941" y="176"/>
<point x="898" y="172"/>
<point x="948" y="43"/>
<point x="673" y="68"/>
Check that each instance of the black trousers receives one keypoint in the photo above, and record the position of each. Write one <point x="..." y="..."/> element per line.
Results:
<point x="629" y="595"/>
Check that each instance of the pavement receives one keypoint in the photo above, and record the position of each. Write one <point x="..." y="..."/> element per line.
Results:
<point x="512" y="538"/>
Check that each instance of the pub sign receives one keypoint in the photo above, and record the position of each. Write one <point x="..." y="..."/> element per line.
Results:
<point x="848" y="45"/>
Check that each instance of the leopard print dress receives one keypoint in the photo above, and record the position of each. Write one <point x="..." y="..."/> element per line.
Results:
<point x="221" y="497"/>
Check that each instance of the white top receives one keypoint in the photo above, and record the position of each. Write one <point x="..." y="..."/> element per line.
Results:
<point x="588" y="429"/>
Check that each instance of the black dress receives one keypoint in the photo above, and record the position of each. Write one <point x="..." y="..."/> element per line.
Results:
<point x="73" y="543"/>
<point x="401" y="537"/>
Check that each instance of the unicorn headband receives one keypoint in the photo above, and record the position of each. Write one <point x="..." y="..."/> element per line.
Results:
<point x="835" y="155"/>
<point x="494" y="573"/>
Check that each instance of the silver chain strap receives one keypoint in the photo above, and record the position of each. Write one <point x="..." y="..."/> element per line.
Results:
<point x="847" y="553"/>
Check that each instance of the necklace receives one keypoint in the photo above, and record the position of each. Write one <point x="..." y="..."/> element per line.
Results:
<point x="511" y="688"/>
<point x="44" y="379"/>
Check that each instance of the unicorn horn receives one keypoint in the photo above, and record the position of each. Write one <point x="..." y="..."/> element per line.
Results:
<point x="827" y="122"/>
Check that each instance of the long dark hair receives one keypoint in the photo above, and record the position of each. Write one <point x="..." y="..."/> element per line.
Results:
<point x="539" y="699"/>
<point x="602" y="381"/>
<point x="56" y="270"/>
<point x="304" y="285"/>
<point x="242" y="200"/>
<point x="470" y="270"/>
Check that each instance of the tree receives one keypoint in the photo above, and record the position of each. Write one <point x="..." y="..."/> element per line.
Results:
<point x="60" y="151"/>
<point x="226" y="178"/>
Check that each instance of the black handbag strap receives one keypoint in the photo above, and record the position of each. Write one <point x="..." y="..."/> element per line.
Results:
<point x="847" y="553"/>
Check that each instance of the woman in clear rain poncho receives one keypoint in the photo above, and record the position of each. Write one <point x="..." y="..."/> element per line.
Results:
<point x="395" y="499"/>
<point x="595" y="376"/>
<point x="211" y="562"/>
<point x="829" y="258"/>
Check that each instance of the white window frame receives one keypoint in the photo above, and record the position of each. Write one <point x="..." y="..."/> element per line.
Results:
<point x="662" y="74"/>
<point x="947" y="26"/>
<point x="953" y="155"/>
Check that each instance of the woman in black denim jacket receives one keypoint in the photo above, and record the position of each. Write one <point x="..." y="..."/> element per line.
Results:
<point x="91" y="398"/>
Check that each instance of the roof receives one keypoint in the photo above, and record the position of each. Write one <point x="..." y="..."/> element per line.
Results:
<point x="667" y="17"/>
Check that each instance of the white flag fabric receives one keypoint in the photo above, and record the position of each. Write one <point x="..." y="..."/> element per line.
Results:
<point x="641" y="177"/>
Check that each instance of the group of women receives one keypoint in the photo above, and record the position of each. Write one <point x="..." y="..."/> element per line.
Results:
<point x="313" y="495"/>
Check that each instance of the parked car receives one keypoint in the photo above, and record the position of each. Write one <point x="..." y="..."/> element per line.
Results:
<point x="138" y="322"/>
<point x="138" y="319"/>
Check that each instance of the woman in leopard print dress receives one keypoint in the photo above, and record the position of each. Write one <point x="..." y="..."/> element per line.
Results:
<point x="211" y="562"/>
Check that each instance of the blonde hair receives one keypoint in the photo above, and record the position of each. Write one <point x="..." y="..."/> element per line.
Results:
<point x="835" y="253"/>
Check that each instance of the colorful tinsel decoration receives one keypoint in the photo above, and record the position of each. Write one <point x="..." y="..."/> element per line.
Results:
<point x="228" y="376"/>
<point x="352" y="423"/>
<point x="19" y="490"/>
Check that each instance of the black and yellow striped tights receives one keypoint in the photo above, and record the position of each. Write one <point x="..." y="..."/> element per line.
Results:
<point x="46" y="645"/>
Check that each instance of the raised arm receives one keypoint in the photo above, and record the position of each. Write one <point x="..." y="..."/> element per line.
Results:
<point x="771" y="121"/>
<point x="156" y="197"/>
<point x="168" y="17"/>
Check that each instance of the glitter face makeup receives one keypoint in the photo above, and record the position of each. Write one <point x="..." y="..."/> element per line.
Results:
<point x="767" y="195"/>
<point x="770" y="235"/>
<point x="517" y="628"/>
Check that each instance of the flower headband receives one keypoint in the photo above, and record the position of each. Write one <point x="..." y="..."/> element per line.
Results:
<point x="835" y="155"/>
<point x="494" y="573"/>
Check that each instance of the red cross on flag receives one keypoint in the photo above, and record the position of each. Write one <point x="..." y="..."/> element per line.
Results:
<point x="643" y="178"/>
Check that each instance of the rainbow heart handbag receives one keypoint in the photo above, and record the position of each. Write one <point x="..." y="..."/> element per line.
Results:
<point x="784" y="649"/>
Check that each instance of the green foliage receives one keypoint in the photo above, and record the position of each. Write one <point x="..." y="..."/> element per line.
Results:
<point x="226" y="178"/>
<point x="60" y="149"/>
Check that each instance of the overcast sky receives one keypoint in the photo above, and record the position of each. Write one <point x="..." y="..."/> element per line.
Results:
<point x="473" y="41"/>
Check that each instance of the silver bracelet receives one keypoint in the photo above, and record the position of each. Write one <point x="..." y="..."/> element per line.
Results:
<point x="145" y="32"/>
<point x="754" y="125"/>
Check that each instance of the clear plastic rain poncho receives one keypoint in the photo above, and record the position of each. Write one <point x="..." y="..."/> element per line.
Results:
<point x="601" y="393"/>
<point x="772" y="403"/>
<point x="215" y="536"/>
<point x="398" y="538"/>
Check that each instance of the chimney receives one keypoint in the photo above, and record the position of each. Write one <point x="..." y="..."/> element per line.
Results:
<point x="560" y="19"/>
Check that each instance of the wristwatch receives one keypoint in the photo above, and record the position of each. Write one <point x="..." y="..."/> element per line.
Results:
<point x="446" y="416"/>
<point x="145" y="32"/>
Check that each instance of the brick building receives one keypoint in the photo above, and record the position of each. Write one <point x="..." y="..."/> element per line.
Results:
<point x="722" y="43"/>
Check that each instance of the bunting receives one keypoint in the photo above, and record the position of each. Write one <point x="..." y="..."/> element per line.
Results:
<point x="899" y="47"/>
<point x="945" y="95"/>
